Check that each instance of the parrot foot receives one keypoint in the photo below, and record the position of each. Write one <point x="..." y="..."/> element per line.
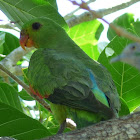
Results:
<point x="62" y="127"/>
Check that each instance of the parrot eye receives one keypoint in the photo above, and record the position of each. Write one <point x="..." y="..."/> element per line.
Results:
<point x="36" y="25"/>
<point x="133" y="47"/>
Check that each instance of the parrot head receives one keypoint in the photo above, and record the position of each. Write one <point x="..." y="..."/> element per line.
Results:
<point x="130" y="55"/>
<point x="39" y="32"/>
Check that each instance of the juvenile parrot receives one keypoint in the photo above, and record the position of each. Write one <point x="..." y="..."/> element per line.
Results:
<point x="59" y="71"/>
<point x="130" y="55"/>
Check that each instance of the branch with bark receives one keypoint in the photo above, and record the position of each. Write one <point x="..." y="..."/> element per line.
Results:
<point x="119" y="30"/>
<point x="125" y="128"/>
<point x="10" y="61"/>
<point x="88" y="16"/>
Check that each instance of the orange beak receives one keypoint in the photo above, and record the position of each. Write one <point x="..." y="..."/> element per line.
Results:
<point x="25" y="41"/>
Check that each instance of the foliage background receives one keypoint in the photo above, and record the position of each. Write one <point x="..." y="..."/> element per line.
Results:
<point x="16" y="119"/>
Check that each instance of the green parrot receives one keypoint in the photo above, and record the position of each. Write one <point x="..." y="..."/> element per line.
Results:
<point x="61" y="72"/>
<point x="130" y="55"/>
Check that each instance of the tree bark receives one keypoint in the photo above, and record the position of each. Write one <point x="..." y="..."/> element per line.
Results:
<point x="10" y="61"/>
<point x="125" y="128"/>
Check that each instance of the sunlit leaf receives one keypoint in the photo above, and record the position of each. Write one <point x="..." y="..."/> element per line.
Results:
<point x="21" y="11"/>
<point x="86" y="35"/>
<point x="124" y="21"/>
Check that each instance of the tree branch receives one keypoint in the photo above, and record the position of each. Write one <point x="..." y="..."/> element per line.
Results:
<point x="8" y="26"/>
<point x="87" y="16"/>
<point x="10" y="61"/>
<point x="70" y="15"/>
<point x="119" y="31"/>
<point x="125" y="128"/>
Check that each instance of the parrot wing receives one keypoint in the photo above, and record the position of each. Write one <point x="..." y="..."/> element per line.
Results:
<point x="68" y="96"/>
<point x="67" y="80"/>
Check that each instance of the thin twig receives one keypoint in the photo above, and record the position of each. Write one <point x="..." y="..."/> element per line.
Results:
<point x="73" y="20"/>
<point x="9" y="26"/>
<point x="119" y="31"/>
<point x="74" y="11"/>
<point x="17" y="80"/>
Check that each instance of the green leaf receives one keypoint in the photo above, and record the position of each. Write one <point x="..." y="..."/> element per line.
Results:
<point x="124" y="21"/>
<point x="86" y="36"/>
<point x="11" y="43"/>
<point x="8" y="43"/>
<point x="92" y="51"/>
<point x="124" y="108"/>
<point x="53" y="3"/>
<point x="40" y="2"/>
<point x="125" y="77"/>
<point x="25" y="96"/>
<point x="15" y="124"/>
<point x="136" y="28"/>
<point x="9" y="95"/>
<point x="25" y="71"/>
<point x="22" y="11"/>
